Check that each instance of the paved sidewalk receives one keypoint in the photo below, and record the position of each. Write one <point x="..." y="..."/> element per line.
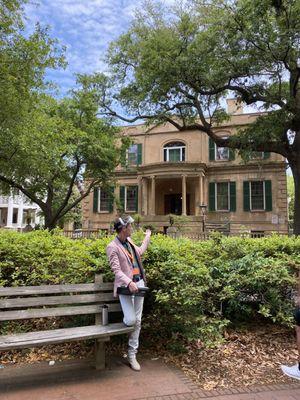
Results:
<point x="78" y="380"/>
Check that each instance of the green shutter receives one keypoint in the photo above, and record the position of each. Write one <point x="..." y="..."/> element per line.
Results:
<point x="266" y="155"/>
<point x="96" y="199"/>
<point x="122" y="197"/>
<point x="111" y="198"/>
<point x="136" y="198"/>
<point x="268" y="195"/>
<point x="231" y="154"/>
<point x="232" y="188"/>
<point x="139" y="153"/>
<point x="212" y="150"/>
<point x="246" y="192"/>
<point x="212" y="199"/>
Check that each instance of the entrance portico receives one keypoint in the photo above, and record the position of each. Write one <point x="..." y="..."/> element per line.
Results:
<point x="175" y="192"/>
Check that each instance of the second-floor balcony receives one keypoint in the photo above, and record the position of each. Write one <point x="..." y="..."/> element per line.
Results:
<point x="171" y="168"/>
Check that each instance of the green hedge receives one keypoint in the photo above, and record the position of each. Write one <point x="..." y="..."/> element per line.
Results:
<point x="197" y="288"/>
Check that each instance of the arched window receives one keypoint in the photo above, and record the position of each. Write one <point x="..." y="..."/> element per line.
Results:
<point x="174" y="152"/>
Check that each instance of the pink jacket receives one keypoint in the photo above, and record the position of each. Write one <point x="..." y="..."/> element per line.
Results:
<point x="120" y="262"/>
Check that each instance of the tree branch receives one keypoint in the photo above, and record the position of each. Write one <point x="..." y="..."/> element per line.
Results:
<point x="70" y="189"/>
<point x="23" y="190"/>
<point x="77" y="201"/>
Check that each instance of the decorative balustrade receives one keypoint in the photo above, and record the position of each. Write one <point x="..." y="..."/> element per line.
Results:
<point x="97" y="233"/>
<point x="85" y="233"/>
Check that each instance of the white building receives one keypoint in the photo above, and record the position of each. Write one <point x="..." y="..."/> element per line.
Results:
<point x="16" y="210"/>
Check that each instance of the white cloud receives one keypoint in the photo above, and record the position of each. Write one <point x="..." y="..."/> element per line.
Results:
<point x="86" y="27"/>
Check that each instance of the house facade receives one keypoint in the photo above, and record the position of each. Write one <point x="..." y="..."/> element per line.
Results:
<point x="185" y="173"/>
<point x="16" y="210"/>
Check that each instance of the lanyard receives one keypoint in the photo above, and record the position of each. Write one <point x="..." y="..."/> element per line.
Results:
<point x="130" y="255"/>
<point x="125" y="247"/>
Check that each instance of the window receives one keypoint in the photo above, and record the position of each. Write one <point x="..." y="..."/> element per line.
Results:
<point x="174" y="152"/>
<point x="220" y="153"/>
<point x="131" y="198"/>
<point x="134" y="155"/>
<point x="104" y="201"/>
<point x="222" y="196"/>
<point x="257" y="195"/>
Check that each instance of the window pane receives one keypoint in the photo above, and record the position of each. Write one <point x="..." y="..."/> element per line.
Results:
<point x="183" y="154"/>
<point x="257" y="195"/>
<point x="132" y="155"/>
<point x="104" y="200"/>
<point x="174" y="152"/>
<point x="174" y="155"/>
<point x="222" y="196"/>
<point x="131" y="194"/>
<point x="222" y="153"/>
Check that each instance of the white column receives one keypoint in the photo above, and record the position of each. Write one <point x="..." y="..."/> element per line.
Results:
<point x="10" y="209"/>
<point x="37" y="218"/>
<point x="20" y="212"/>
<point x="204" y="190"/>
<point x="139" y="195"/>
<point x="145" y="196"/>
<point x="201" y="198"/>
<point x="183" y="195"/>
<point x="152" y="195"/>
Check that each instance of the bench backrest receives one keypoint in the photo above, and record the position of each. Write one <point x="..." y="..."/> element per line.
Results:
<point x="25" y="302"/>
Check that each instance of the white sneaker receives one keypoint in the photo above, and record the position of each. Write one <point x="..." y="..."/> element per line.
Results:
<point x="292" y="372"/>
<point x="134" y="364"/>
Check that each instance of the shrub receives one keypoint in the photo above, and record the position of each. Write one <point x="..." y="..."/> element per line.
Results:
<point x="197" y="288"/>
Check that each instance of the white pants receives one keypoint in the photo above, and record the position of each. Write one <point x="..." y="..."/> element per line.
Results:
<point x="132" y="307"/>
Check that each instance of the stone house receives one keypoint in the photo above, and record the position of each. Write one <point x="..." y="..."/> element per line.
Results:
<point x="185" y="173"/>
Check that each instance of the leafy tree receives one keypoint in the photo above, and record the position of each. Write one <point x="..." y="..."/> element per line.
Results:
<point x="23" y="61"/>
<point x="48" y="147"/>
<point x="63" y="147"/>
<point x="178" y="67"/>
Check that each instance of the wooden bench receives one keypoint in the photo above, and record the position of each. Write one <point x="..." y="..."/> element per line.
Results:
<point x="27" y="302"/>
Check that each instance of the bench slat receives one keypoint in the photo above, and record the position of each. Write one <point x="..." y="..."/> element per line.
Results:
<point x="53" y="300"/>
<point x="40" y="338"/>
<point x="55" y="312"/>
<point x="49" y="289"/>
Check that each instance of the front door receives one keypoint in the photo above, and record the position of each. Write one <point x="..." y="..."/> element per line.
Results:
<point x="173" y="204"/>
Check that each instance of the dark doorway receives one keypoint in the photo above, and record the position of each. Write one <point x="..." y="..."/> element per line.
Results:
<point x="173" y="204"/>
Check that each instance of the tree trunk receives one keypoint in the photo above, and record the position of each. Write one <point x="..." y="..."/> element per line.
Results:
<point x="295" y="167"/>
<point x="50" y="223"/>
